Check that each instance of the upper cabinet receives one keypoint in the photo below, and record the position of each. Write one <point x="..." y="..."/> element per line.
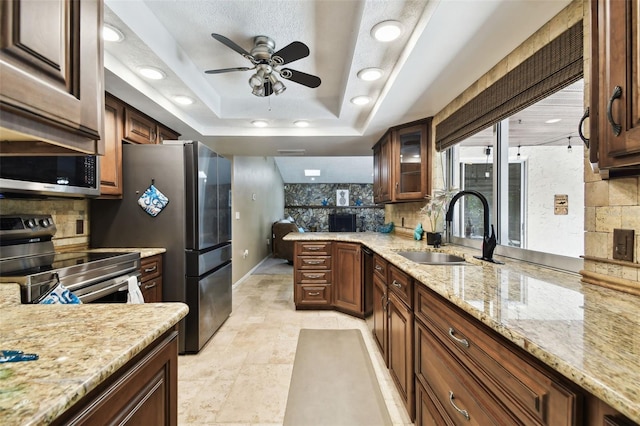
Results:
<point x="615" y="86"/>
<point x="51" y="88"/>
<point x="401" y="163"/>
<point x="138" y="128"/>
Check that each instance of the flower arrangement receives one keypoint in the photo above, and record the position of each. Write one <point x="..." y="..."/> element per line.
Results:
<point x="435" y="207"/>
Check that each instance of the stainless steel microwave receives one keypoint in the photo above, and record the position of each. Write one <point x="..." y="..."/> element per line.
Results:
<point x="61" y="176"/>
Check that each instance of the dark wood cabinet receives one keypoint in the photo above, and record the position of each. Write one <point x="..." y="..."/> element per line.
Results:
<point x="151" y="278"/>
<point x="139" y="128"/>
<point x="402" y="163"/>
<point x="143" y="392"/>
<point x="313" y="275"/>
<point x="51" y="88"/>
<point x="111" y="161"/>
<point x="380" y="302"/>
<point x="347" y="278"/>
<point x="615" y="87"/>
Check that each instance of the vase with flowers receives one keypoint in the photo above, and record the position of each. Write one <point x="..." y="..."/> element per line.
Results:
<point x="435" y="210"/>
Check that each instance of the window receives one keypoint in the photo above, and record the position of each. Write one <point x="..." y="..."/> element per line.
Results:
<point x="529" y="166"/>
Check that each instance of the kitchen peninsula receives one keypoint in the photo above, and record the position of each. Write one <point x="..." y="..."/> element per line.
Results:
<point x="581" y="338"/>
<point x="94" y="360"/>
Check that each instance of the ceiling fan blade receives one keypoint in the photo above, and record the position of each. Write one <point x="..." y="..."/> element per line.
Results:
<point x="300" y="77"/>
<point x="223" y="70"/>
<point x="293" y="52"/>
<point x="231" y="45"/>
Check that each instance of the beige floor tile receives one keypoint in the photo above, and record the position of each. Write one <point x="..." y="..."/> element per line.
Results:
<point x="241" y="377"/>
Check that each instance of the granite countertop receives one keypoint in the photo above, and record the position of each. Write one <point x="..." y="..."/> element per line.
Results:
<point x="79" y="346"/>
<point x="144" y="251"/>
<point x="587" y="333"/>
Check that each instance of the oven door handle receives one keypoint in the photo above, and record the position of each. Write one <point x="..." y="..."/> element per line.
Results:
<point x="104" y="288"/>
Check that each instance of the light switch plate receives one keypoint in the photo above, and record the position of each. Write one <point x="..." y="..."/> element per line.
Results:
<point x="623" y="242"/>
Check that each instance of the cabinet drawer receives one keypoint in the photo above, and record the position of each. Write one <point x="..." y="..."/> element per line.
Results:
<point x="313" y="277"/>
<point x="380" y="267"/>
<point x="310" y="294"/>
<point x="152" y="290"/>
<point x="401" y="284"/>
<point x="320" y="248"/>
<point x="529" y="391"/>
<point x="316" y="262"/>
<point x="150" y="267"/>
<point x="454" y="390"/>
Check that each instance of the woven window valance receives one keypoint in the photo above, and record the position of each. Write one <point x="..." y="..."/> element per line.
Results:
<point x="550" y="69"/>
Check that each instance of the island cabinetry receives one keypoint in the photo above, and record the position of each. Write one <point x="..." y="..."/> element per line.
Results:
<point x="143" y="392"/>
<point x="313" y="275"/>
<point x="469" y="371"/>
<point x="52" y="79"/>
<point x="380" y="302"/>
<point x="347" y="278"/>
<point x="615" y="86"/>
<point x="401" y="160"/>
<point x="400" y="335"/>
<point x="598" y="413"/>
<point x="151" y="278"/>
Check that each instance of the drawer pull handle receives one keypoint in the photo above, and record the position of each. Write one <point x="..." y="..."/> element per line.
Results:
<point x="378" y="268"/>
<point x="148" y="286"/>
<point x="313" y="262"/>
<point x="396" y="283"/>
<point x="384" y="306"/>
<point x="313" y="275"/>
<point x="617" y="93"/>
<point x="463" y="342"/>
<point x="313" y="248"/>
<point x="315" y="293"/>
<point x="465" y="413"/>
<point x="152" y="269"/>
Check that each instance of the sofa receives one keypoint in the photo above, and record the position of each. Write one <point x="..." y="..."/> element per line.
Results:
<point x="282" y="249"/>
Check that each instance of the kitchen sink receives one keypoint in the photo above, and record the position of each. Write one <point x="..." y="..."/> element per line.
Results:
<point x="432" y="258"/>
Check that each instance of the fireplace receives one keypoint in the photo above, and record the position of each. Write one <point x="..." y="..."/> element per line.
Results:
<point x="345" y="222"/>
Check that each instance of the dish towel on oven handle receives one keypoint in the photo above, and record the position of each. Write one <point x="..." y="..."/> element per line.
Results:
<point x="134" y="293"/>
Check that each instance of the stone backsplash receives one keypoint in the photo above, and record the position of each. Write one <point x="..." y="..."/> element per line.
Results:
<point x="71" y="217"/>
<point x="304" y="203"/>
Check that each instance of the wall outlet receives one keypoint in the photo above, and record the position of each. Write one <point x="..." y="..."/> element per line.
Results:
<point x="623" y="242"/>
<point x="245" y="254"/>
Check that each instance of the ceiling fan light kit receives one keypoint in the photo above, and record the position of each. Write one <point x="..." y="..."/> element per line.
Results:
<point x="267" y="64"/>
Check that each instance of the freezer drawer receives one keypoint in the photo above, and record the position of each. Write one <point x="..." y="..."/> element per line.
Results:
<point x="209" y="300"/>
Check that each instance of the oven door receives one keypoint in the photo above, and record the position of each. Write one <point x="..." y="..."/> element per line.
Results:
<point x="114" y="290"/>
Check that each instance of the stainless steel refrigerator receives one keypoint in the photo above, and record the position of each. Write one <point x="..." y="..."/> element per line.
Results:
<point x="194" y="227"/>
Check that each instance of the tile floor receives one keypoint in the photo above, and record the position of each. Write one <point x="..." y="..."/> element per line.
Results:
<point x="241" y="377"/>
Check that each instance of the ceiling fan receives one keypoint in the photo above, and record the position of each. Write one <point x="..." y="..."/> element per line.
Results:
<point x="267" y="64"/>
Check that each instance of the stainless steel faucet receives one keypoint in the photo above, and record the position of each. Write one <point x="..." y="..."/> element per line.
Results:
<point x="489" y="241"/>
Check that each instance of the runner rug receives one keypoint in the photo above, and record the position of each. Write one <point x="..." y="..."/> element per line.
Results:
<point x="333" y="382"/>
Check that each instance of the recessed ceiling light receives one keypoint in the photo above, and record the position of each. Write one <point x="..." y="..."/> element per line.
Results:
<point x="152" y="73"/>
<point x="183" y="100"/>
<point x="110" y="33"/>
<point x="361" y="100"/>
<point x="553" y="120"/>
<point x="386" y="31"/>
<point x="370" y="74"/>
<point x="311" y="172"/>
<point x="259" y="123"/>
<point x="301" y="123"/>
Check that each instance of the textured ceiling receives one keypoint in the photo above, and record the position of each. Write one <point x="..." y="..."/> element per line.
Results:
<point x="445" y="46"/>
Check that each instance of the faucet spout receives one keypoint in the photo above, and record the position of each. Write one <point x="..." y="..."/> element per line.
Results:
<point x="489" y="241"/>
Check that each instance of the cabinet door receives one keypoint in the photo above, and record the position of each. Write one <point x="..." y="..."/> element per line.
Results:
<point x="616" y="81"/>
<point x="401" y="350"/>
<point x="382" y="170"/>
<point x="380" y="302"/>
<point x="138" y="128"/>
<point x="347" y="280"/>
<point x="410" y="163"/>
<point x="164" y="133"/>
<point x="111" y="161"/>
<point x="51" y="85"/>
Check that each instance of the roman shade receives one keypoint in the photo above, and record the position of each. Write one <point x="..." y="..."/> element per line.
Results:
<point x="548" y="70"/>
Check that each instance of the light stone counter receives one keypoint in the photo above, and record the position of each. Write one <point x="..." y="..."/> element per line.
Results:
<point x="144" y="252"/>
<point x="79" y="347"/>
<point x="589" y="334"/>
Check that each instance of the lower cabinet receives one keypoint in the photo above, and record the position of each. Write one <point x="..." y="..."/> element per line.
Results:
<point x="312" y="274"/>
<point x="143" y="392"/>
<point x="347" y="278"/>
<point x="380" y="317"/>
<point x="151" y="278"/>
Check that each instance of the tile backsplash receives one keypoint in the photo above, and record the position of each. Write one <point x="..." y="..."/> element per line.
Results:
<point x="69" y="215"/>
